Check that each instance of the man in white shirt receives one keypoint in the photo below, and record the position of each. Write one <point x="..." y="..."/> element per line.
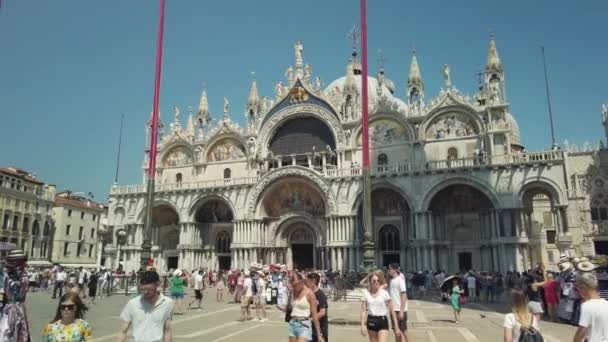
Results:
<point x="59" y="280"/>
<point x="246" y="298"/>
<point x="593" y="323"/>
<point x="398" y="293"/>
<point x="148" y="315"/>
<point x="472" y="286"/>
<point x="199" y="285"/>
<point x="260" y="298"/>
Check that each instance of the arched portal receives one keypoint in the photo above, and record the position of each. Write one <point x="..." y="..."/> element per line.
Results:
<point x="463" y="216"/>
<point x="300" y="238"/>
<point x="389" y="244"/>
<point x="390" y="213"/>
<point x="165" y="224"/>
<point x="543" y="217"/>
<point x="214" y="222"/>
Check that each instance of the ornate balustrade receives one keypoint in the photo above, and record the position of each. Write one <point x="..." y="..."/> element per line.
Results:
<point x="519" y="159"/>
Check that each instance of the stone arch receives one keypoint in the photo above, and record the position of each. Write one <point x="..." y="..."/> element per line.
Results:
<point x="386" y="184"/>
<point x="256" y="193"/>
<point x="379" y="118"/>
<point x="158" y="202"/>
<point x="47" y="229"/>
<point x="213" y="210"/>
<point x="460" y="111"/>
<point x="222" y="241"/>
<point x="270" y="127"/>
<point x="200" y="201"/>
<point x="439" y="185"/>
<point x="36" y="228"/>
<point x="236" y="148"/>
<point x="543" y="186"/>
<point x="277" y="230"/>
<point x="177" y="153"/>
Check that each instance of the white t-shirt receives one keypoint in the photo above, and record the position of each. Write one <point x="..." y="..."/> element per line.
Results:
<point x="396" y="287"/>
<point x="60" y="276"/>
<point x="512" y="323"/>
<point x="247" y="284"/>
<point x="471" y="282"/>
<point x="594" y="316"/>
<point x="261" y="287"/>
<point x="376" y="305"/>
<point x="198" y="281"/>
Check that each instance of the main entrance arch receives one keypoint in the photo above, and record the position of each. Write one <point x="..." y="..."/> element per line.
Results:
<point x="165" y="223"/>
<point x="214" y="223"/>
<point x="301" y="240"/>
<point x="462" y="218"/>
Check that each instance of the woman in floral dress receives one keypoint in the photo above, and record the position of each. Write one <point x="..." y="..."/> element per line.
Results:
<point x="69" y="324"/>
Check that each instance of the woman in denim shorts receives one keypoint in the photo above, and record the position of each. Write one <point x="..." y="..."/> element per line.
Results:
<point x="299" y="313"/>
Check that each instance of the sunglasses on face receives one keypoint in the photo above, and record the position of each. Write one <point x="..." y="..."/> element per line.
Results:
<point x="374" y="280"/>
<point x="68" y="307"/>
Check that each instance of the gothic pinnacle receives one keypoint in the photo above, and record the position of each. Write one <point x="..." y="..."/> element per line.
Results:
<point x="493" y="62"/>
<point x="415" y="77"/>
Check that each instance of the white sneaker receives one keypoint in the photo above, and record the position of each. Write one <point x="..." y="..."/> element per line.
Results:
<point x="256" y="319"/>
<point x="264" y="320"/>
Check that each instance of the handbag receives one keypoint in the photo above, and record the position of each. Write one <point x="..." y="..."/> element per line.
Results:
<point x="461" y="300"/>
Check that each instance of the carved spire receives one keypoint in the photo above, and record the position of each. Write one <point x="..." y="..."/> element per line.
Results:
<point x="203" y="107"/>
<point x="415" y="86"/>
<point x="493" y="63"/>
<point x="190" y="125"/>
<point x="176" y="125"/>
<point x="299" y="59"/>
<point x="253" y="102"/>
<point x="415" y="77"/>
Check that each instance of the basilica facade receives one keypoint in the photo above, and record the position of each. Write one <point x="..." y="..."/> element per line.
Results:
<point x="452" y="185"/>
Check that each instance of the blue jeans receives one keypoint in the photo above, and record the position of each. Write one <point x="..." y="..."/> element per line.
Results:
<point x="300" y="329"/>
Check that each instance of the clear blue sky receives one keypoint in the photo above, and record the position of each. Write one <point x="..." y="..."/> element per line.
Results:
<point x="68" y="68"/>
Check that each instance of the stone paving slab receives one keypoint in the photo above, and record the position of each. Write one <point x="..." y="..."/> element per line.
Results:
<point x="428" y="321"/>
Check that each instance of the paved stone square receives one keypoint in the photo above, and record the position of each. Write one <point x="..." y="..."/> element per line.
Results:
<point x="428" y="321"/>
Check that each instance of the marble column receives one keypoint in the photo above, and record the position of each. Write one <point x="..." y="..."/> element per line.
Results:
<point x="334" y="264"/>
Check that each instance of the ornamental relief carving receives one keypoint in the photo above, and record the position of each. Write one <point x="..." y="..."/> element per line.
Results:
<point x="280" y="116"/>
<point x="263" y="184"/>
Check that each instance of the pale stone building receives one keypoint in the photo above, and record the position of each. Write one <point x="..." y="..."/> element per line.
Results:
<point x="77" y="223"/>
<point x="25" y="211"/>
<point x="453" y="186"/>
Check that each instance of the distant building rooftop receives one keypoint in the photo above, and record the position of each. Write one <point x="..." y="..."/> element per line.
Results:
<point x="20" y="173"/>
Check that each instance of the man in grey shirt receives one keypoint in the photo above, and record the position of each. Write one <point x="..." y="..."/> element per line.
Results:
<point x="148" y="315"/>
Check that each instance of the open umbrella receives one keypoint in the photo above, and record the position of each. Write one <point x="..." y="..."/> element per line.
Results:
<point x="446" y="285"/>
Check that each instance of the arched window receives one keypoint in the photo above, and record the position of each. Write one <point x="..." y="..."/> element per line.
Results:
<point x="389" y="238"/>
<point x="382" y="159"/>
<point x="36" y="228"/>
<point x="47" y="229"/>
<point x="222" y="243"/>
<point x="178" y="178"/>
<point x="599" y="208"/>
<point x="227" y="173"/>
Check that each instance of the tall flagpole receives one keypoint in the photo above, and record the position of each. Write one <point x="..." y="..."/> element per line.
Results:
<point x="553" y="145"/>
<point x="122" y="117"/>
<point x="369" y="258"/>
<point x="146" y="246"/>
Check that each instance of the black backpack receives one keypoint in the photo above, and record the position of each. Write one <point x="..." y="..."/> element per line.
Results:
<point x="530" y="334"/>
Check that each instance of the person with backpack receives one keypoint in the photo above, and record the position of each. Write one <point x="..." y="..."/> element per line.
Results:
<point x="521" y="325"/>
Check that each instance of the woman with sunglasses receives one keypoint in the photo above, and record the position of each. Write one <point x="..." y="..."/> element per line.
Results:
<point x="301" y="311"/>
<point x="376" y="305"/>
<point x="69" y="324"/>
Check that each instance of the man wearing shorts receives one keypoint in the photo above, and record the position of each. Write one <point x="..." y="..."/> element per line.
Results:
<point x="260" y="298"/>
<point x="398" y="293"/>
<point x="246" y="298"/>
<point x="199" y="285"/>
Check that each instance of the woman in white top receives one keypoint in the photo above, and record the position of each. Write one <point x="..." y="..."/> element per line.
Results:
<point x="520" y="318"/>
<point x="376" y="305"/>
<point x="302" y="300"/>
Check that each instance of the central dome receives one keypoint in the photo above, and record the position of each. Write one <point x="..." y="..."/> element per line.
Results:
<point x="372" y="90"/>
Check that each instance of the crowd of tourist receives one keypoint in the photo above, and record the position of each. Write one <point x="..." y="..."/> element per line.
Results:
<point x="533" y="295"/>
